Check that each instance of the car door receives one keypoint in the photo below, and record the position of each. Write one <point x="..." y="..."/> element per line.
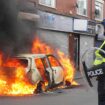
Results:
<point x="57" y="70"/>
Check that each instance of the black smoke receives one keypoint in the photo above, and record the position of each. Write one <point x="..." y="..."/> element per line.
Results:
<point x="15" y="35"/>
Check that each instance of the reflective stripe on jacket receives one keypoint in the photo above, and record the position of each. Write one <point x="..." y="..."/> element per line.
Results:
<point x="100" y="56"/>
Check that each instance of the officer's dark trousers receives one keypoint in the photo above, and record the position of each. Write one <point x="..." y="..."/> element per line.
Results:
<point x="101" y="90"/>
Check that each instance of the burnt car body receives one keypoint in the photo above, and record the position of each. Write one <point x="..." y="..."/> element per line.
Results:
<point x="41" y="68"/>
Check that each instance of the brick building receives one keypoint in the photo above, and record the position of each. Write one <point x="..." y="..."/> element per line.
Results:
<point x="69" y="24"/>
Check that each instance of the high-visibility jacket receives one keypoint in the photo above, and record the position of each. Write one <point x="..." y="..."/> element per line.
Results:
<point x="100" y="56"/>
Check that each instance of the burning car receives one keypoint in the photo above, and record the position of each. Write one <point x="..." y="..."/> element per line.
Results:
<point x="42" y="69"/>
<point x="36" y="72"/>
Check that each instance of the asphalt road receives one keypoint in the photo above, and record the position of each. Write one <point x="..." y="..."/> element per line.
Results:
<point x="74" y="96"/>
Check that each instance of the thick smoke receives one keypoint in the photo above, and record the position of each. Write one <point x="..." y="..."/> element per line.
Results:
<point x="15" y="35"/>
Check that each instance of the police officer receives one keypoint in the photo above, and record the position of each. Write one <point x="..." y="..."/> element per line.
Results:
<point x="100" y="59"/>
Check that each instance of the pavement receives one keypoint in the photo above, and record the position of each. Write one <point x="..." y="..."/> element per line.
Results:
<point x="79" y="95"/>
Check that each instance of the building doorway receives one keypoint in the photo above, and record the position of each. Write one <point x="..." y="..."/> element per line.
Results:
<point x="74" y="49"/>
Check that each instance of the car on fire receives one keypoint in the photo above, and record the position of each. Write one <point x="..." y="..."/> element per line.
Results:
<point x="41" y="68"/>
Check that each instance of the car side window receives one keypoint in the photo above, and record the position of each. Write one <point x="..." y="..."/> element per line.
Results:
<point x="40" y="66"/>
<point x="24" y="62"/>
<point x="16" y="62"/>
<point x="53" y="61"/>
<point x="45" y="62"/>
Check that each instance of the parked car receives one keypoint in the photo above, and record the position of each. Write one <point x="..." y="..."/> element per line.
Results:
<point x="41" y="68"/>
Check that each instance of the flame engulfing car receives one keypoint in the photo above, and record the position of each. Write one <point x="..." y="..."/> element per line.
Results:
<point x="42" y="69"/>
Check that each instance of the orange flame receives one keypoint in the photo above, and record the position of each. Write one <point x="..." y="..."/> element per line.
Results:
<point x="1" y="57"/>
<point x="13" y="78"/>
<point x="41" y="47"/>
<point x="13" y="81"/>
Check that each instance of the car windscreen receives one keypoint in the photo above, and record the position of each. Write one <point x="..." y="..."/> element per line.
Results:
<point x="53" y="61"/>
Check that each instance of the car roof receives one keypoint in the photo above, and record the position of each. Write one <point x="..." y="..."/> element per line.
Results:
<point x="31" y="55"/>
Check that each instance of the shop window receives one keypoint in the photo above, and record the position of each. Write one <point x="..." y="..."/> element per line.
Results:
<point x="82" y="7"/>
<point x="49" y="3"/>
<point x="99" y="9"/>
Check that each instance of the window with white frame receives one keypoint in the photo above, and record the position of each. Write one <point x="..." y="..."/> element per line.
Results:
<point x="99" y="9"/>
<point x="82" y="7"/>
<point x="49" y="3"/>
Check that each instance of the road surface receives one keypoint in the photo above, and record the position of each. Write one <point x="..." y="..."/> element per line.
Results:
<point x="74" y="96"/>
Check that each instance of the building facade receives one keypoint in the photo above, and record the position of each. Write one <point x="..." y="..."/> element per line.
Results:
<point x="69" y="24"/>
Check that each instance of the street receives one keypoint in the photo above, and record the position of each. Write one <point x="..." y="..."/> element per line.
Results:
<point x="36" y="36"/>
<point x="74" y="96"/>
